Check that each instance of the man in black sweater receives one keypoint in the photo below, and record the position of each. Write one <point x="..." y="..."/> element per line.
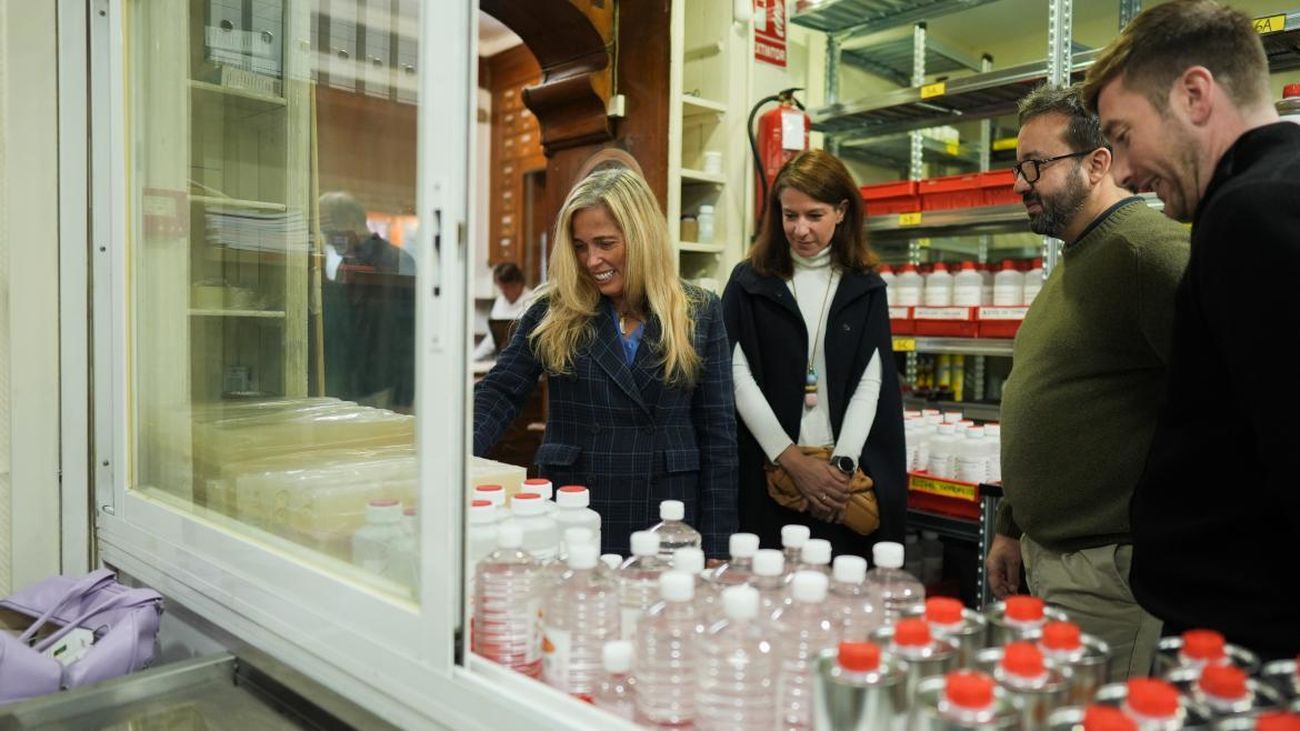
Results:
<point x="1183" y="96"/>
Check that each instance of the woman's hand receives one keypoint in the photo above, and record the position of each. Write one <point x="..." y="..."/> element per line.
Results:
<point x="825" y="488"/>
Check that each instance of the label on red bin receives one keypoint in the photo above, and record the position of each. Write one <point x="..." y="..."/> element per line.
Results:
<point x="1002" y="313"/>
<point x="900" y="313"/>
<point x="945" y="488"/>
<point x="944" y="313"/>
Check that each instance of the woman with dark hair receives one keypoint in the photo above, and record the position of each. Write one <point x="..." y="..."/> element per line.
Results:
<point x="821" y="420"/>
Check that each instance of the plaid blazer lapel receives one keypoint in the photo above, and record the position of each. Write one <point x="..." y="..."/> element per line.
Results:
<point x="607" y="349"/>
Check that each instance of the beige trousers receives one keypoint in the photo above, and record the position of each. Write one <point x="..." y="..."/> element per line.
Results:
<point x="1092" y="587"/>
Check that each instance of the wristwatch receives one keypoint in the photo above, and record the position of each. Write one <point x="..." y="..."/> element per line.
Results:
<point x="845" y="464"/>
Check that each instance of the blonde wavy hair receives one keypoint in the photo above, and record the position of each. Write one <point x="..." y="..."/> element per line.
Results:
<point x="650" y="281"/>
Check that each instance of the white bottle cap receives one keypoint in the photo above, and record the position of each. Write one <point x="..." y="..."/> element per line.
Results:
<point x="577" y="536"/>
<point x="974" y="432"/>
<point x="672" y="510"/>
<point x="528" y="503"/>
<point x="616" y="656"/>
<point x="481" y="512"/>
<point x="952" y="417"/>
<point x="706" y="208"/>
<point x="794" y="536"/>
<point x="583" y="556"/>
<point x="850" y="569"/>
<point x="510" y="535"/>
<point x="383" y="510"/>
<point x="645" y="543"/>
<point x="676" y="586"/>
<point x="740" y="602"/>
<point x="495" y="493"/>
<point x="540" y="486"/>
<point x="688" y="559"/>
<point x="816" y="552"/>
<point x="769" y="562"/>
<point x="573" y="496"/>
<point x="992" y="429"/>
<point x="947" y="428"/>
<point x="742" y="545"/>
<point x="612" y="560"/>
<point x="887" y="554"/>
<point x="808" y="586"/>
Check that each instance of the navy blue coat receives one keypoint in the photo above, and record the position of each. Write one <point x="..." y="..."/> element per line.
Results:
<point x="621" y="431"/>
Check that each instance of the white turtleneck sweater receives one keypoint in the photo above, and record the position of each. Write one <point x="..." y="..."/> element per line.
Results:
<point x="813" y="285"/>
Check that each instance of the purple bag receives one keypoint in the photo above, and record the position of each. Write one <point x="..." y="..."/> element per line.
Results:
<point x="123" y="620"/>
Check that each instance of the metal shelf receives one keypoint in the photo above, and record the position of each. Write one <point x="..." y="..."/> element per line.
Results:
<point x="1008" y="218"/>
<point x="1281" y="44"/>
<point x="893" y="59"/>
<point x="979" y="410"/>
<point x="867" y="16"/>
<point x="896" y="150"/>
<point x="701" y="248"/>
<point x="960" y="346"/>
<point x="978" y="96"/>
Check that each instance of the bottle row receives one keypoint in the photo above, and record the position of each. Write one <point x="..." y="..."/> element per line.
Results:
<point x="1014" y="284"/>
<point x="946" y="446"/>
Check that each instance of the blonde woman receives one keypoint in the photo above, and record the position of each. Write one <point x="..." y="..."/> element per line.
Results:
<point x="638" y="366"/>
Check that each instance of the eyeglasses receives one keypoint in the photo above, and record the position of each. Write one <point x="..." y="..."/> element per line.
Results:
<point x="1030" y="170"/>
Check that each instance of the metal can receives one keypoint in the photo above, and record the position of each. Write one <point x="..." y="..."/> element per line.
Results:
<point x="1283" y="675"/>
<point x="1035" y="689"/>
<point x="1219" y="692"/>
<point x="948" y="618"/>
<point x="1084" y="660"/>
<point x="1096" y="715"/>
<point x="1019" y="617"/>
<point x="1200" y="647"/>
<point x="856" y="687"/>
<point x="1267" y="721"/>
<point x="962" y="700"/>
<point x="925" y="655"/>
<point x="1155" y="704"/>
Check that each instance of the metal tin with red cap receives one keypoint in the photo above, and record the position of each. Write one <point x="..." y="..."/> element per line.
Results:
<point x="1034" y="686"/>
<point x="1093" y="717"/>
<point x="858" y="687"/>
<point x="1265" y="721"/>
<point x="1151" y="703"/>
<point x="1218" y="692"/>
<point x="1197" y="648"/>
<point x="1288" y="107"/>
<point x="1083" y="659"/>
<point x="1284" y="675"/>
<point x="962" y="700"/>
<point x="947" y="617"/>
<point x="924" y="654"/>
<point x="1019" y="617"/>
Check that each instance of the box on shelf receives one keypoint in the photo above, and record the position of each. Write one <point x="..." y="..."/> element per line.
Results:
<point x="885" y="198"/>
<point x="900" y="321"/>
<point x="1000" y="322"/>
<point x="956" y="322"/>
<point x="997" y="186"/>
<point x="944" y="496"/>
<point x="951" y="191"/>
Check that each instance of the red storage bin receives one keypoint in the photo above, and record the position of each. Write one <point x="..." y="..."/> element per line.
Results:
<point x="997" y="187"/>
<point x="883" y="199"/>
<point x="952" y="191"/>
<point x="947" y="497"/>
<point x="896" y="189"/>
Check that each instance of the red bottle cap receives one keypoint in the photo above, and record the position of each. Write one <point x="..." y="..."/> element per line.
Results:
<point x="1203" y="644"/>
<point x="940" y="267"/>
<point x="476" y="503"/>
<point x="909" y="267"/>
<point x="528" y="496"/>
<point x="943" y="610"/>
<point x="573" y="488"/>
<point x="487" y="488"/>
<point x="969" y="689"/>
<point x="383" y="502"/>
<point x="1008" y="265"/>
<point x="1062" y="636"/>
<point x="1024" y="608"/>
<point x="884" y="269"/>
<point x="1106" y="718"/>
<point x="1022" y="659"/>
<point x="1223" y="681"/>
<point x="912" y="633"/>
<point x="860" y="657"/>
<point x="1278" y="720"/>
<point x="1151" y="697"/>
<point x="1290" y="90"/>
<point x="968" y="266"/>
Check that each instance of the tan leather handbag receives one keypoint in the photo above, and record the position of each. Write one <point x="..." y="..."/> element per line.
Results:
<point x="861" y="515"/>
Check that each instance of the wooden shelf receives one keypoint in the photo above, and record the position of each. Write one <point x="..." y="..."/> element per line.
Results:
<point x="263" y="314"/>
<point x="232" y="91"/>
<point x="697" y="106"/>
<point x="696" y="246"/>
<point x="699" y="177"/>
<point x="217" y="202"/>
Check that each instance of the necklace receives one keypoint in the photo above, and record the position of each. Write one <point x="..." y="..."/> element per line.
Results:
<point x="811" y="377"/>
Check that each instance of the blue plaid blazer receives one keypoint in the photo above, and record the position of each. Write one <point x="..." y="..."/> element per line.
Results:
<point x="632" y="439"/>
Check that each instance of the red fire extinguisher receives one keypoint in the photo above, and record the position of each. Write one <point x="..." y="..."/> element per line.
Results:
<point x="782" y="134"/>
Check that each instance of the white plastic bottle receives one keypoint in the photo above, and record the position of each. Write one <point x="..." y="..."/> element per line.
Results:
<point x="887" y="275"/>
<point x="571" y="510"/>
<point x="404" y="551"/>
<point x="506" y="603"/>
<point x="993" y="451"/>
<point x="942" y="456"/>
<point x="793" y="538"/>
<point x="938" y="287"/>
<point x="672" y="531"/>
<point x="899" y="591"/>
<point x="911" y="439"/>
<point x="816" y="556"/>
<point x="616" y="691"/>
<point x="769" y="580"/>
<point x="967" y="286"/>
<point x="909" y="285"/>
<point x="581" y="615"/>
<point x="667" y="640"/>
<point x="972" y="456"/>
<point x="482" y="538"/>
<point x="706" y="224"/>
<point x="737" y="668"/>
<point x="740" y="568"/>
<point x="638" y="580"/>
<point x="802" y="630"/>
<point x="611" y="560"/>
<point x="541" y="534"/>
<point x="1008" y="286"/>
<point x="1033" y="281"/>
<point x="372" y="542"/>
<point x="496" y="494"/>
<point x="853" y="604"/>
<point x="543" y="487"/>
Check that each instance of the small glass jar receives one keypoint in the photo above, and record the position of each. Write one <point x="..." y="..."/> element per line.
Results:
<point x="690" y="228"/>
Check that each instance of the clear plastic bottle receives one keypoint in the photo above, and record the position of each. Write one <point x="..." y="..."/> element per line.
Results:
<point x="769" y="580"/>
<point x="971" y="456"/>
<point x="672" y="531"/>
<point x="909" y="285"/>
<point x="553" y="571"/>
<point x="571" y="510"/>
<point x="942" y="452"/>
<point x="967" y="286"/>
<point x="506" y="604"/>
<point x="1033" y="281"/>
<point x="737" y="668"/>
<point x="616" y="691"/>
<point x="1008" y="286"/>
<point x="816" y="556"/>
<point x="638" y="580"/>
<point x="691" y="561"/>
<point x="855" y="605"/>
<point x="793" y="537"/>
<point x="802" y="630"/>
<point x="899" y="591"/>
<point x="372" y="542"/>
<point x="993" y="451"/>
<point x="740" y="568"/>
<point x="938" y="287"/>
<point x="667" y="640"/>
<point x="541" y="533"/>
<point x="581" y="615"/>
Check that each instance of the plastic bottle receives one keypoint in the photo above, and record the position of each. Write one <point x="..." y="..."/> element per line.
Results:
<point x="856" y="605"/>
<point x="673" y="533"/>
<point x="1033" y="281"/>
<point x="972" y="456"/>
<point x="931" y="549"/>
<point x="638" y="580"/>
<point x="899" y="591"/>
<point x="1288" y="108"/>
<point x="793" y="538"/>
<point x="737" y="668"/>
<point x="993" y="451"/>
<point x="769" y="580"/>
<point x="496" y="494"/>
<point x="887" y="275"/>
<point x="1008" y="286"/>
<point x="815" y="556"/>
<point x="404" y="551"/>
<point x="705" y="221"/>
<point x="909" y="286"/>
<point x="616" y="691"/>
<point x="912" y="440"/>
<point x="691" y="561"/>
<point x="541" y="534"/>
<point x="553" y="571"/>
<point x="571" y="510"/>
<point x="482" y="539"/>
<point x="665" y="661"/>
<point x="967" y="286"/>
<point x="802" y="630"/>
<point x="506" y="604"/>
<point x="1152" y="704"/>
<point x="581" y="615"/>
<point x="611" y="560"/>
<point x="740" y="568"/>
<point x="373" y="541"/>
<point x="938" y="287"/>
<point x="543" y="487"/>
<point x="943" y="458"/>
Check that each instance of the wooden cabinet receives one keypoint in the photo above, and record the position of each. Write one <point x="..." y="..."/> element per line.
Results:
<point x="514" y="232"/>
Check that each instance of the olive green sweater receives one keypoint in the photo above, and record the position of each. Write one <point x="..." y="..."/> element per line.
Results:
<point x="1080" y="405"/>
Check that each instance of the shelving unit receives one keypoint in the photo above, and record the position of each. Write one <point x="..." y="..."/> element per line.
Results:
<point x="853" y="17"/>
<point x="959" y="346"/>
<point x="896" y="151"/>
<point x="1280" y="33"/>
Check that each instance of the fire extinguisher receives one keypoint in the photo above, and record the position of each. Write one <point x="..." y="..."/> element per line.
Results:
<point x="782" y="134"/>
